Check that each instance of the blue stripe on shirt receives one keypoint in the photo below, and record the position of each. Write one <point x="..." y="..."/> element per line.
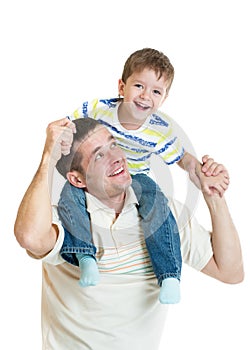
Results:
<point x="128" y="136"/>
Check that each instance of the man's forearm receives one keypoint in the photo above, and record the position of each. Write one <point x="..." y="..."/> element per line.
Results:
<point x="34" y="217"/>
<point x="225" y="242"/>
<point x="33" y="227"/>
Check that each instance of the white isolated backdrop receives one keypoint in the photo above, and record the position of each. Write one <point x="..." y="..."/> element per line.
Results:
<point x="54" y="55"/>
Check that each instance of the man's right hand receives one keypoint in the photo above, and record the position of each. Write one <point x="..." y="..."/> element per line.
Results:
<point x="59" y="138"/>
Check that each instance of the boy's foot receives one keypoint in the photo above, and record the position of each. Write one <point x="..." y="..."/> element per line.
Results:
<point x="89" y="271"/>
<point x="170" y="291"/>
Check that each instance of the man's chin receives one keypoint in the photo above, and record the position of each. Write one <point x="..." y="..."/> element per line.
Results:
<point x="124" y="184"/>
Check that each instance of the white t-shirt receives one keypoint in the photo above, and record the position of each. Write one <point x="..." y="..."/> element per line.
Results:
<point x="122" y="312"/>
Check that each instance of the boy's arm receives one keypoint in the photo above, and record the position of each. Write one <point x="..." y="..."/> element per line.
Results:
<point x="207" y="176"/>
<point x="33" y="226"/>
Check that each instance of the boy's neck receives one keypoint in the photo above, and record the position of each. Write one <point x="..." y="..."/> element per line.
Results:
<point x="127" y="120"/>
<point x="130" y="125"/>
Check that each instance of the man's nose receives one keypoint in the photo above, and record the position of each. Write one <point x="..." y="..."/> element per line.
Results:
<point x="115" y="155"/>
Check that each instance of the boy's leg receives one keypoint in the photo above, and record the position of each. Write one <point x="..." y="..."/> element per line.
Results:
<point x="161" y="236"/>
<point x="77" y="248"/>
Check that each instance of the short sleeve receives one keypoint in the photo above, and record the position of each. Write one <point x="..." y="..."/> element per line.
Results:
<point x="196" y="244"/>
<point x="54" y="257"/>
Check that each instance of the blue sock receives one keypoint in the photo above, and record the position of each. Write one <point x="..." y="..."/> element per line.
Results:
<point x="170" y="291"/>
<point x="88" y="270"/>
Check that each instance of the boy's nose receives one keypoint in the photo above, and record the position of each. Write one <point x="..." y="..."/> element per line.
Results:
<point x="145" y="94"/>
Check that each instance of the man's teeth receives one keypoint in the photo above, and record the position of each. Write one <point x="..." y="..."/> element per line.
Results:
<point x="118" y="171"/>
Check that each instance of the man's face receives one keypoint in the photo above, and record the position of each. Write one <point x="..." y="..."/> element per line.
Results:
<point x="105" y="166"/>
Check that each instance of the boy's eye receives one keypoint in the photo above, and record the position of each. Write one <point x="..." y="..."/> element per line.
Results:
<point x="139" y="86"/>
<point x="157" y="92"/>
<point x="113" y="144"/>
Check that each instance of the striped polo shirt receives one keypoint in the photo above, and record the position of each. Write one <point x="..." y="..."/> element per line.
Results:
<point x="122" y="311"/>
<point x="120" y="243"/>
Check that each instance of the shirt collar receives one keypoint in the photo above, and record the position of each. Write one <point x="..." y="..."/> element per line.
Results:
<point x="94" y="204"/>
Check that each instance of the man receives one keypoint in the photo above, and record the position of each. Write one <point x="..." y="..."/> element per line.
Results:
<point x="122" y="311"/>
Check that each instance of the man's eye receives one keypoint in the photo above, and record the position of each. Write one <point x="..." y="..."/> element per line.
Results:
<point x="98" y="156"/>
<point x="113" y="145"/>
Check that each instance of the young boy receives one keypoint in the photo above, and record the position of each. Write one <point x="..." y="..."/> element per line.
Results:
<point x="141" y="130"/>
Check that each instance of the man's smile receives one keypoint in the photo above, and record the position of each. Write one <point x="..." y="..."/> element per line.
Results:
<point x="116" y="172"/>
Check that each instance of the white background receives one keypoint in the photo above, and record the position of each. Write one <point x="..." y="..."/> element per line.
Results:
<point x="57" y="53"/>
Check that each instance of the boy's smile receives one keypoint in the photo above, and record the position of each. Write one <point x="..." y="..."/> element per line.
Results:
<point x="143" y="93"/>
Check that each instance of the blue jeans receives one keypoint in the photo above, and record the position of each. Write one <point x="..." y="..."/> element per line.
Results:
<point x="158" y="224"/>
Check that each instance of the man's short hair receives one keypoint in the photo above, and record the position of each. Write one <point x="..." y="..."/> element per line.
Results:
<point x="72" y="161"/>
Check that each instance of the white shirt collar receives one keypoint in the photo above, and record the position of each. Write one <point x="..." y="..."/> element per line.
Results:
<point x="94" y="204"/>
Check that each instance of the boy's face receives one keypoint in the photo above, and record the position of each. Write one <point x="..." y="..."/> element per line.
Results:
<point x="143" y="93"/>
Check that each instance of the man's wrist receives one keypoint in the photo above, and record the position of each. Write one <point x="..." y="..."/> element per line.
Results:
<point x="214" y="201"/>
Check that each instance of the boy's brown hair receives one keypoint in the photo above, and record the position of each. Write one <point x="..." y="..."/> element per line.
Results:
<point x="152" y="59"/>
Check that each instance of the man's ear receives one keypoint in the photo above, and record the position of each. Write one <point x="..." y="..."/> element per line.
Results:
<point x="76" y="179"/>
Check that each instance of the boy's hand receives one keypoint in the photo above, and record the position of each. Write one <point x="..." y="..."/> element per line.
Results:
<point x="216" y="177"/>
<point x="211" y="168"/>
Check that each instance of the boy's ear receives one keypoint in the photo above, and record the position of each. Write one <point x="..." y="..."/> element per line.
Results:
<point x="121" y="87"/>
<point x="76" y="179"/>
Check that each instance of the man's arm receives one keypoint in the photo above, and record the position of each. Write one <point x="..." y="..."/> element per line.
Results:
<point x="226" y="264"/>
<point x="33" y="227"/>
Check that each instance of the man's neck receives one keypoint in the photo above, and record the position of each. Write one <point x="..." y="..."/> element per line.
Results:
<point x="116" y="203"/>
